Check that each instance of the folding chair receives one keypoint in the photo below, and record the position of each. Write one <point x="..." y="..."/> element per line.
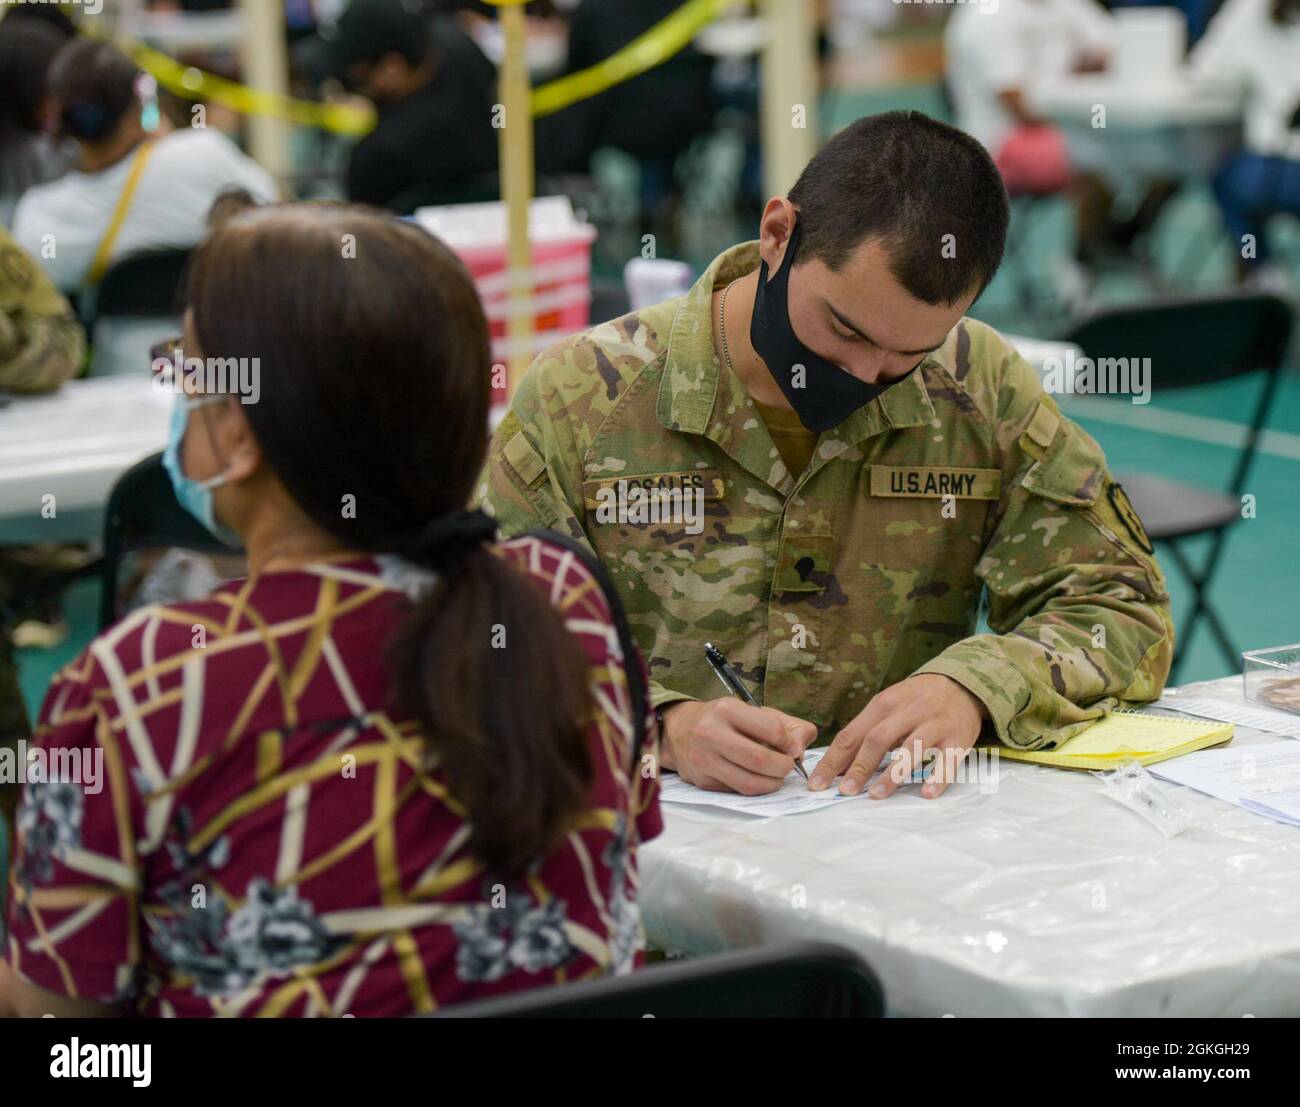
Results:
<point x="145" y="285"/>
<point x="802" y="980"/>
<point x="143" y="512"/>
<point x="1193" y="340"/>
<point x="136" y="305"/>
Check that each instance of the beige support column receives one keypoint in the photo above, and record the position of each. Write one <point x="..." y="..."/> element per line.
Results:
<point x="516" y="153"/>
<point x="265" y="63"/>
<point x="789" y="92"/>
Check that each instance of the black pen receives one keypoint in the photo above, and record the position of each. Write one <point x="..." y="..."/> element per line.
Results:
<point x="732" y="683"/>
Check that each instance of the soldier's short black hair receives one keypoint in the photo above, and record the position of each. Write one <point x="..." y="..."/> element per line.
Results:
<point x="908" y="180"/>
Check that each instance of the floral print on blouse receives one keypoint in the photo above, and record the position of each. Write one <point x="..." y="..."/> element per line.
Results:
<point x="268" y="840"/>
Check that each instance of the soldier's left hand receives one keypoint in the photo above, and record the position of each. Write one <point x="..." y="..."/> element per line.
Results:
<point x="924" y="712"/>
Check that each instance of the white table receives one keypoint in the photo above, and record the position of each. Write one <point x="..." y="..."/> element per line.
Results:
<point x="73" y="444"/>
<point x="1042" y="898"/>
<point x="1172" y="126"/>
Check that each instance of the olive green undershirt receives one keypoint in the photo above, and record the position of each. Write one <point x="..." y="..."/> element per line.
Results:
<point x="794" y="442"/>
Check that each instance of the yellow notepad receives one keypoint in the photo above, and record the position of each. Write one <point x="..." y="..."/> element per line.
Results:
<point x="1122" y="735"/>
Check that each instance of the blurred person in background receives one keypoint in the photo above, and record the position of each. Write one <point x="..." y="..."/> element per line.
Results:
<point x="994" y="56"/>
<point x="1256" y="45"/>
<point x="434" y="91"/>
<point x="134" y="188"/>
<point x="28" y="156"/>
<point x="456" y="717"/>
<point x="654" y="117"/>
<point x="41" y="346"/>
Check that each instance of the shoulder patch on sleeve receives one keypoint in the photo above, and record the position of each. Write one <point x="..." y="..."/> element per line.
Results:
<point x="1129" y="517"/>
<point x="523" y="458"/>
<point x="1071" y="472"/>
<point x="1043" y="426"/>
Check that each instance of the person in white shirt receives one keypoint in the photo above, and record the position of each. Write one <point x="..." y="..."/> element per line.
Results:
<point x="133" y="189"/>
<point x="1256" y="45"/>
<point x="995" y="52"/>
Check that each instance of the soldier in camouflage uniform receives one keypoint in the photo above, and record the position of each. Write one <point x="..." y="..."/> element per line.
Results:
<point x="41" y="342"/>
<point x="847" y="593"/>
<point x="41" y="346"/>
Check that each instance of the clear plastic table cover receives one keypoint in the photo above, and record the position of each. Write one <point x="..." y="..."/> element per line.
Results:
<point x="1041" y="898"/>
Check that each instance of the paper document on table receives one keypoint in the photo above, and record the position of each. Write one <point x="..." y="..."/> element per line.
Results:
<point x="792" y="798"/>
<point x="1258" y="718"/>
<point x="1263" y="778"/>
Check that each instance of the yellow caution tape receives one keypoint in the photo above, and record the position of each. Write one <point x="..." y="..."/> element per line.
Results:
<point x="198" y="84"/>
<point x="652" y="48"/>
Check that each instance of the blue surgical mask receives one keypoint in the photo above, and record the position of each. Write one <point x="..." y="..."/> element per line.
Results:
<point x="194" y="496"/>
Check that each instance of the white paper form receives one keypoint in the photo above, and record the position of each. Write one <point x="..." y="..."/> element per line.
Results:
<point x="1223" y="711"/>
<point x="1263" y="778"/>
<point x="792" y="798"/>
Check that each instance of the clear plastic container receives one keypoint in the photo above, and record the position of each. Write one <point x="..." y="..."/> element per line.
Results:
<point x="1272" y="677"/>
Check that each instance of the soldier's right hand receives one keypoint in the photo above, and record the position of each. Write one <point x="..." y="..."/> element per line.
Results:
<point x="728" y="746"/>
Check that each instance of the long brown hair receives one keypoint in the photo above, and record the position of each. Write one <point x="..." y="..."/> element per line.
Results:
<point x="375" y="384"/>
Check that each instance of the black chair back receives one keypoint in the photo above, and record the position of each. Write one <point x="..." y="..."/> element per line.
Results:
<point x="1195" y="340"/>
<point x="803" y="980"/>
<point x="144" y="285"/>
<point x="1191" y="339"/>
<point x="143" y="511"/>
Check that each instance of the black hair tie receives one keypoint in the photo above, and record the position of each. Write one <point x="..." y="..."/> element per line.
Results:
<point x="87" y="120"/>
<point x="450" y="537"/>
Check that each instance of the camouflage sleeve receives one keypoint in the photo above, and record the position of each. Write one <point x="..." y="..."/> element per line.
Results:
<point x="38" y="353"/>
<point x="1076" y="597"/>
<point x="533" y="479"/>
<point x="41" y="342"/>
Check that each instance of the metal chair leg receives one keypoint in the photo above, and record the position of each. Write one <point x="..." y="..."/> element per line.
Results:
<point x="1200" y="582"/>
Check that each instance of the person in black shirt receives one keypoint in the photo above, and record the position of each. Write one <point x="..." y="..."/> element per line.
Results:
<point x="654" y="117"/>
<point x="434" y="90"/>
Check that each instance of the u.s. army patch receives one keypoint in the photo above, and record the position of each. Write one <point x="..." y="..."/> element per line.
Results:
<point x="1128" y="516"/>
<point x="936" y="481"/>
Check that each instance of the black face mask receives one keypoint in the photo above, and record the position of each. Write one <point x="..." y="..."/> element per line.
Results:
<point x="826" y="395"/>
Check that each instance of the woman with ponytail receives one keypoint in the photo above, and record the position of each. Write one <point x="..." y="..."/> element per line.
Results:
<point x="396" y="767"/>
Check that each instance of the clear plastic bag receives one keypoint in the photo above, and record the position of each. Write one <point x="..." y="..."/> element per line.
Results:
<point x="1132" y="786"/>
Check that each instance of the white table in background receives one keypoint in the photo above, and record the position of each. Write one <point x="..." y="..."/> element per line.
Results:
<point x="1042" y="898"/>
<point x="73" y="444"/>
<point x="1171" y="126"/>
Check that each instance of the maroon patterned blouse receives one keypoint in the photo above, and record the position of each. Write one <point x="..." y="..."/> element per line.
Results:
<point x="263" y="839"/>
